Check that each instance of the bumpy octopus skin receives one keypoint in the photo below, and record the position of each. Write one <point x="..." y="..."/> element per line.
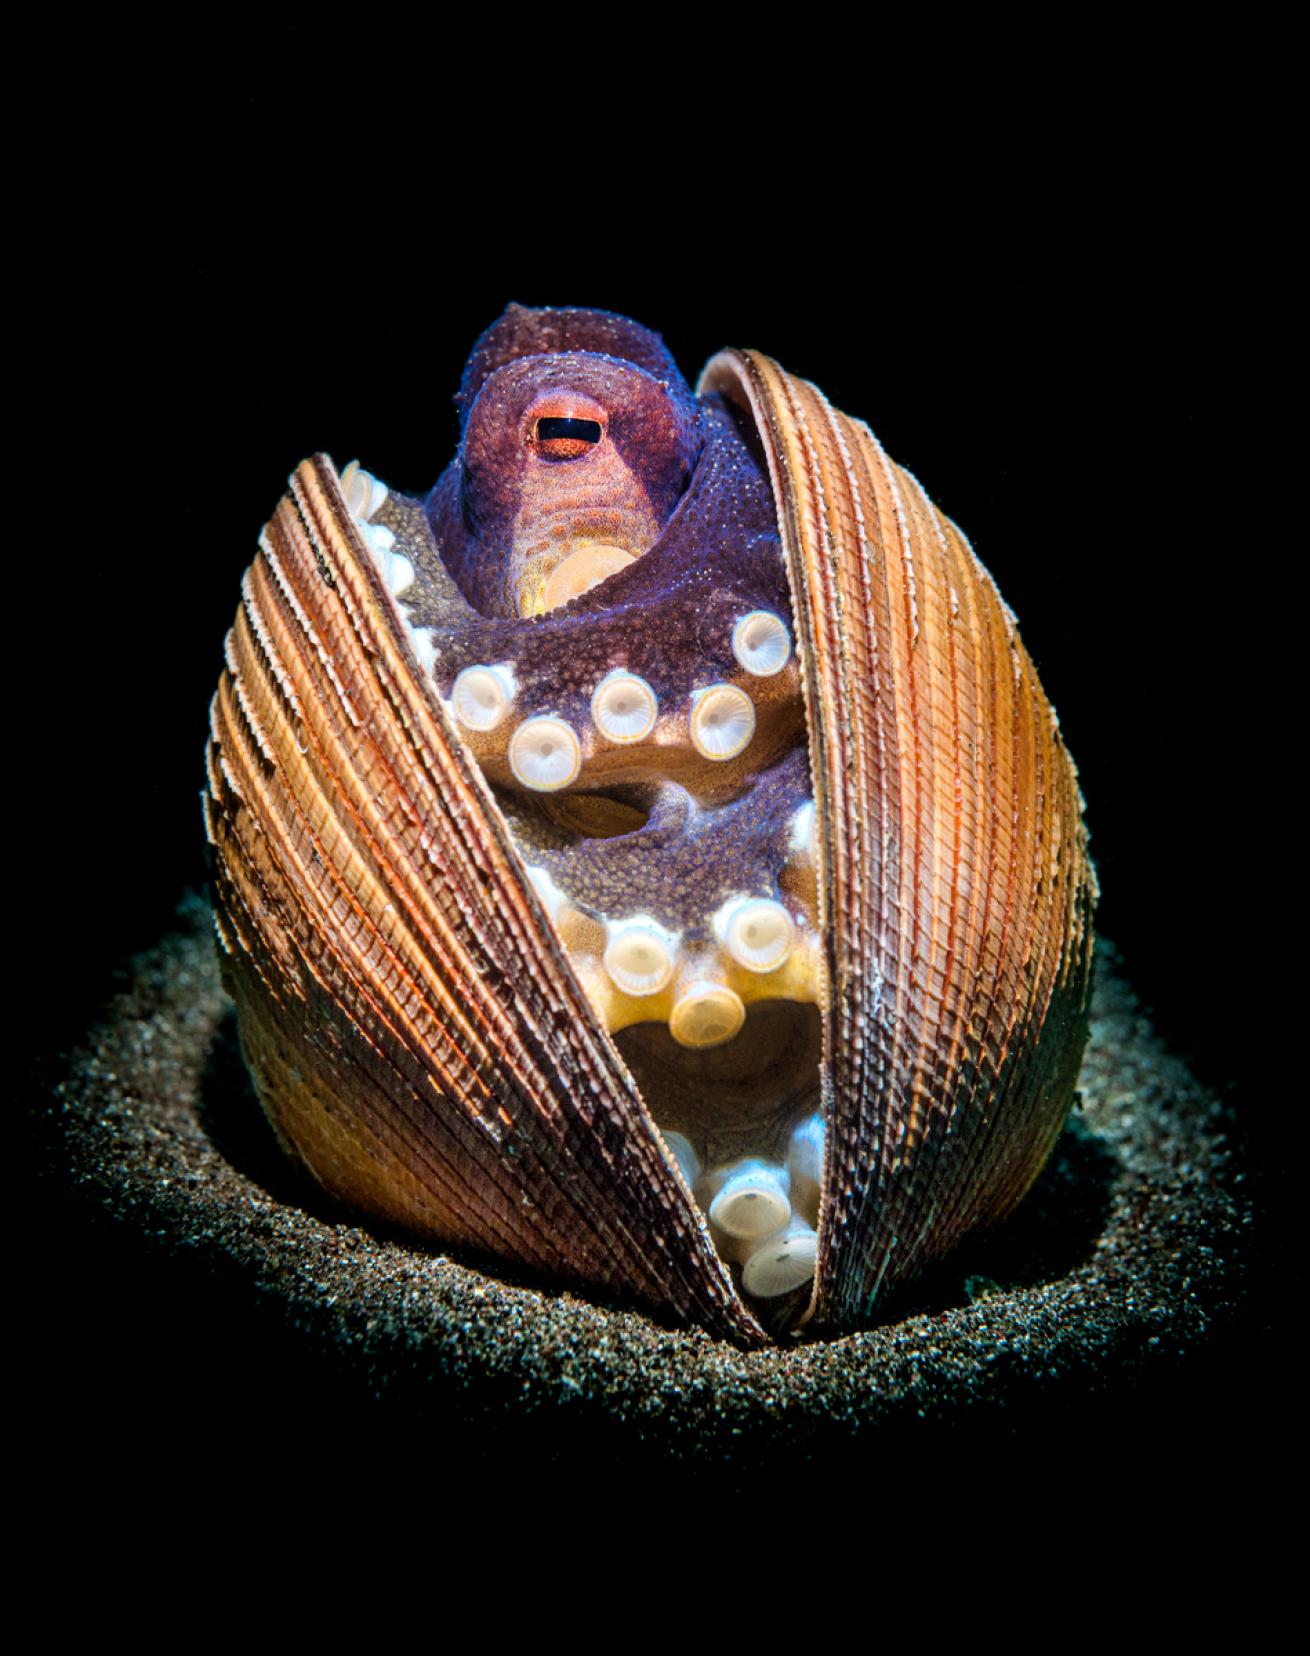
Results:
<point x="715" y="826"/>
<point x="601" y="522"/>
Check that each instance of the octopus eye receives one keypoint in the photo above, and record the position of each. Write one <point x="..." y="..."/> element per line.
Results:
<point x="561" y="439"/>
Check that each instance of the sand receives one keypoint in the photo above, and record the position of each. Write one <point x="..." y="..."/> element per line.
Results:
<point x="1123" y="1273"/>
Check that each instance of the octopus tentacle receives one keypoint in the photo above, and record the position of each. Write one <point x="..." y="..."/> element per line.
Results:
<point x="644" y="733"/>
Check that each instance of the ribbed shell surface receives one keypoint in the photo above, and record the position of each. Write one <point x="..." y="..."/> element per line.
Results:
<point x="956" y="890"/>
<point x="417" y="1035"/>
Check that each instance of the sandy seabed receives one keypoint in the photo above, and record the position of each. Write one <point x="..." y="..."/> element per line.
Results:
<point x="1123" y="1262"/>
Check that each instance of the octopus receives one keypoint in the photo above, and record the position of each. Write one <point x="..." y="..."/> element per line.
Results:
<point x="608" y="619"/>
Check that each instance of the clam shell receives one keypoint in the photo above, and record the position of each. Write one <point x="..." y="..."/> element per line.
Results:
<point x="417" y="1033"/>
<point x="955" y="885"/>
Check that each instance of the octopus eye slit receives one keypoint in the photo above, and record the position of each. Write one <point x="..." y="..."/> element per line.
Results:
<point x="587" y="430"/>
<point x="558" y="438"/>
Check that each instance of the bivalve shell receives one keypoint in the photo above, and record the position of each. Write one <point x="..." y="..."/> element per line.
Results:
<point x="462" y="980"/>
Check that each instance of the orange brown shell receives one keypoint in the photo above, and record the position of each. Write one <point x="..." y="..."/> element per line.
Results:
<point x="423" y="1044"/>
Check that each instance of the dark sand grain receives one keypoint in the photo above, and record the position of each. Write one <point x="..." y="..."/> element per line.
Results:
<point x="1127" y="1259"/>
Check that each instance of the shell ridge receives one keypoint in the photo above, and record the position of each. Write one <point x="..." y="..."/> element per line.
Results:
<point x="933" y="1129"/>
<point x="827" y="573"/>
<point x="972" y="1129"/>
<point x="868" y="1119"/>
<point x="860" y="986"/>
<point x="978" y="1135"/>
<point x="547" y="1049"/>
<point x="303" y="812"/>
<point x="441" y="756"/>
<point x="478" y="800"/>
<point x="253" y="618"/>
<point x="938" y="1129"/>
<point x="933" y="1086"/>
<point x="273" y="564"/>
<point x="440" y="1200"/>
<point x="714" y="1298"/>
<point x="1071" y="969"/>
<point x="892" y="1107"/>
<point x="959" y="911"/>
<point x="359" y="976"/>
<point x="855" y="843"/>
<point x="1030" y="1047"/>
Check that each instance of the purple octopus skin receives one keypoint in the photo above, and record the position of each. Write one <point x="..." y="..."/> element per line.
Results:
<point x="696" y="494"/>
<point x="717" y="554"/>
<point x="596" y="588"/>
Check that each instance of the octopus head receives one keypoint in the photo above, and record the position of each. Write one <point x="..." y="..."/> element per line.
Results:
<point x="579" y="438"/>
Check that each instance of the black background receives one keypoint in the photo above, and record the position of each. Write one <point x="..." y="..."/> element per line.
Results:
<point x="1048" y="320"/>
<point x="1057" y="366"/>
